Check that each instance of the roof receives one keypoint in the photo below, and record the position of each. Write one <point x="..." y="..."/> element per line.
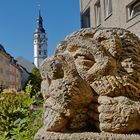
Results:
<point x="11" y="58"/>
<point x="2" y="48"/>
<point x="40" y="28"/>
<point x="25" y="64"/>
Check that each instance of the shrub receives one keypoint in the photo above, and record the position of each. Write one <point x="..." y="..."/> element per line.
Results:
<point x="18" y="121"/>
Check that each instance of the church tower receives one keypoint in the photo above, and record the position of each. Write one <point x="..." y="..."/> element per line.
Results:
<point x="40" y="42"/>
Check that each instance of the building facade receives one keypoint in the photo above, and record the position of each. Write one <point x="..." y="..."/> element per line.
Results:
<point x="40" y="42"/>
<point x="111" y="13"/>
<point x="10" y="73"/>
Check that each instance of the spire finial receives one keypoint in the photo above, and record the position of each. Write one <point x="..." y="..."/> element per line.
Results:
<point x="39" y="9"/>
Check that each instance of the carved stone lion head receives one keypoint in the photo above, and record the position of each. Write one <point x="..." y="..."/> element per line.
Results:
<point x="107" y="58"/>
<point x="82" y="81"/>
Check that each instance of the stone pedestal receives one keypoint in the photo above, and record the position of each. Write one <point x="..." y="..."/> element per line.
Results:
<point x="44" y="135"/>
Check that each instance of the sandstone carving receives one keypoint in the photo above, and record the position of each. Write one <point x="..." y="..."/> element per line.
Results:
<point x="93" y="79"/>
<point x="118" y="114"/>
<point x="67" y="96"/>
<point x="108" y="59"/>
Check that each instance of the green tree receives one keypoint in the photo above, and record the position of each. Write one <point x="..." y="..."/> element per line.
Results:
<point x="35" y="81"/>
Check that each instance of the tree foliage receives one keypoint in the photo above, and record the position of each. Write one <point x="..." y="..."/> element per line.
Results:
<point x="35" y="81"/>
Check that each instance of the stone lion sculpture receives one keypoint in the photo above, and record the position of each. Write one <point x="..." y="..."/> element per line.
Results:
<point x="67" y="95"/>
<point x="93" y="79"/>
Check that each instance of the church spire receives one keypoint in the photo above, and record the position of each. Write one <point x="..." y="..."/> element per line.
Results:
<point x="39" y="12"/>
<point x="40" y="23"/>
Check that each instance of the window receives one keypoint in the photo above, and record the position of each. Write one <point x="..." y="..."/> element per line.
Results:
<point x="39" y="47"/>
<point x="45" y="52"/>
<point x="97" y="13"/>
<point x="39" y="52"/>
<point x="107" y="8"/>
<point x="85" y="23"/>
<point x="133" y="9"/>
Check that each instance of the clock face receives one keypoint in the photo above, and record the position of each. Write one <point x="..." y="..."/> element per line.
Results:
<point x="38" y="38"/>
<point x="35" y="41"/>
<point x="35" y="36"/>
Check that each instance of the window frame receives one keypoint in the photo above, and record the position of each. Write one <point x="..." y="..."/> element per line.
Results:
<point x="39" y="52"/>
<point x="130" y="9"/>
<point x="107" y="8"/>
<point x="45" y="52"/>
<point x="97" y="10"/>
<point x="85" y="16"/>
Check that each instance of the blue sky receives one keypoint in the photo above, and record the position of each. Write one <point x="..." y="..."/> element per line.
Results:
<point x="18" y="23"/>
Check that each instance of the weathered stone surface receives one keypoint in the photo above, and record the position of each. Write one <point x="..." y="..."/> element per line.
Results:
<point x="118" y="114"/>
<point x="108" y="59"/>
<point x="94" y="77"/>
<point x="43" y="135"/>
<point x="67" y="97"/>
